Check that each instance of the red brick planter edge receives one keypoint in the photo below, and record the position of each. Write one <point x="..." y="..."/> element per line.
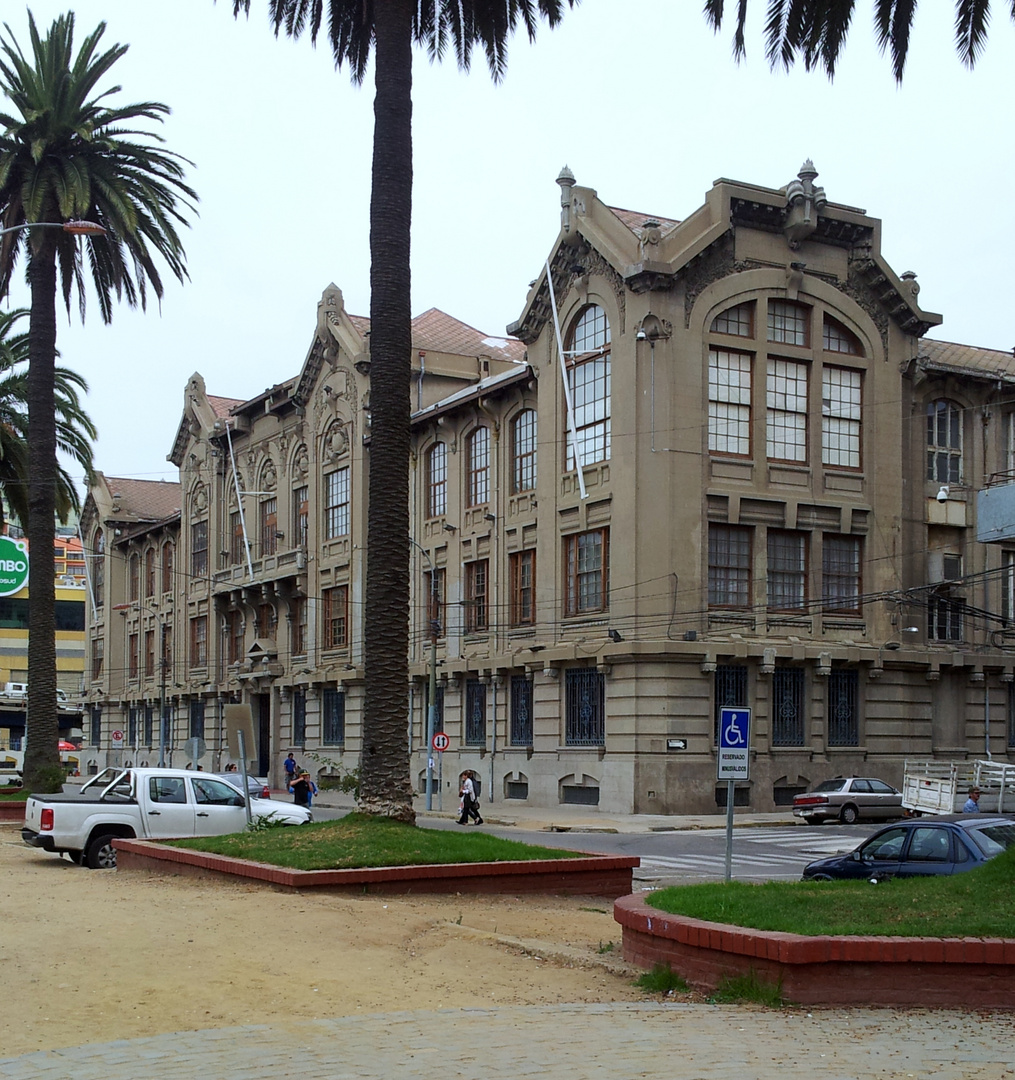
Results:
<point x="827" y="970"/>
<point x="593" y="875"/>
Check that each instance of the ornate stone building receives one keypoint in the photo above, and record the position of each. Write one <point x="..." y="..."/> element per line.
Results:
<point x="716" y="462"/>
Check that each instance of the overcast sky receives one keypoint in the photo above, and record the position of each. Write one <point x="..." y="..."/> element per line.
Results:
<point x="638" y="97"/>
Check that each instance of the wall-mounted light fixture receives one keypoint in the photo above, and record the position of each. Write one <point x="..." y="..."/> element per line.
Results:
<point x="450" y="528"/>
<point x="615" y="635"/>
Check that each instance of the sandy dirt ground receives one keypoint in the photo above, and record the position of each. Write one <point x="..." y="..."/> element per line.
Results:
<point x="91" y="956"/>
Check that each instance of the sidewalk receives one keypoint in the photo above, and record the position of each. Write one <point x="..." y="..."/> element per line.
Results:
<point x="578" y="1042"/>
<point x="566" y="818"/>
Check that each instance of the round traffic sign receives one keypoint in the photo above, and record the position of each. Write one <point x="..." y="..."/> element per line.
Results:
<point x="117" y="736"/>
<point x="440" y="741"/>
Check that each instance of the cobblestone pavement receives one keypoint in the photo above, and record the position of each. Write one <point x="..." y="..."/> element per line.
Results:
<point x="650" y="1041"/>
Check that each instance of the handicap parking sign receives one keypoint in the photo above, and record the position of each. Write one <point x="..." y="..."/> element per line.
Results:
<point x="734" y="744"/>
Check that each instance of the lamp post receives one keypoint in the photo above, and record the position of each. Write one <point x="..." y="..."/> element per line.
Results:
<point x="75" y="228"/>
<point x="431" y="712"/>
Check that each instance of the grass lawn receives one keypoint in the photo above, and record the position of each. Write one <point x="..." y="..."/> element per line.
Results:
<point x="979" y="903"/>
<point x="360" y="840"/>
<point x="13" y="794"/>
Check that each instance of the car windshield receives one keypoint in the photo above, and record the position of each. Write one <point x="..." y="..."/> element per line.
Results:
<point x="830" y="785"/>
<point x="993" y="839"/>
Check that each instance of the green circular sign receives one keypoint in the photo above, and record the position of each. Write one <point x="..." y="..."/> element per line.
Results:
<point x="13" y="565"/>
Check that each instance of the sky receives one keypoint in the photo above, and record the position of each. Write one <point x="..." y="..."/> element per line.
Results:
<point x="639" y="98"/>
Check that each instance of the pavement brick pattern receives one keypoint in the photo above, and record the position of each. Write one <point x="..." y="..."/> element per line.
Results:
<point x="576" y="1042"/>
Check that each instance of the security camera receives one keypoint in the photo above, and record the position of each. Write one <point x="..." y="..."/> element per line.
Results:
<point x="942" y="495"/>
<point x="640" y="336"/>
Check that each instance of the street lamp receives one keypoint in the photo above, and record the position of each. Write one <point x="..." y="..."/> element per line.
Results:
<point x="431" y="712"/>
<point x="75" y="228"/>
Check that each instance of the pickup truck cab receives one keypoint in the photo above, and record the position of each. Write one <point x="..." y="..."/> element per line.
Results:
<point x="150" y="804"/>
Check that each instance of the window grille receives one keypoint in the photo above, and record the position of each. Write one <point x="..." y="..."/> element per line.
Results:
<point x="521" y="710"/>
<point x="336" y="504"/>
<point x="788" y="323"/>
<point x="729" y="691"/>
<point x="437" y="480"/>
<point x="269" y="526"/>
<point x="333" y="718"/>
<point x="475" y="713"/>
<point x="149" y="718"/>
<point x="132" y="726"/>
<point x="788" y="706"/>
<point x="843" y="714"/>
<point x="479" y="466"/>
<point x="197" y="719"/>
<point x="584" y="707"/>
<point x="199" y="549"/>
<point x="737" y="320"/>
<point x="299" y="718"/>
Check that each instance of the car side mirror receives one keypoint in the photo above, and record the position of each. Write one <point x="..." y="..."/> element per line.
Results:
<point x="856" y="856"/>
<point x="237" y="800"/>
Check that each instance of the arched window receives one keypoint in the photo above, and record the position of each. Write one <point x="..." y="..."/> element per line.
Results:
<point x="99" y="567"/>
<point x="149" y="572"/>
<point x="523" y="451"/>
<point x="588" y="360"/>
<point x="437" y="480"/>
<point x="167" y="566"/>
<point x="134" y="578"/>
<point x="944" y="442"/>
<point x="479" y="466"/>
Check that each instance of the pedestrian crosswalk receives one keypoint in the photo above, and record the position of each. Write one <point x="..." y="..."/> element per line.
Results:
<point x="792" y="851"/>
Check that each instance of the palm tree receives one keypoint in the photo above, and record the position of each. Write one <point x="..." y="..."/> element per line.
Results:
<point x="816" y="30"/>
<point x="67" y="155"/>
<point x="391" y="27"/>
<point x="75" y="431"/>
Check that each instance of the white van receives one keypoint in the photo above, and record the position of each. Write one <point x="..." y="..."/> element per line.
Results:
<point x="16" y="690"/>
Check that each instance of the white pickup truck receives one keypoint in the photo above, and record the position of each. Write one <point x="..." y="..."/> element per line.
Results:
<point x="150" y="804"/>
<point x="941" y="787"/>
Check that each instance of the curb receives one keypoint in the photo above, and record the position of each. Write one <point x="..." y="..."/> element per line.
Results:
<point x="826" y="970"/>
<point x="609" y="876"/>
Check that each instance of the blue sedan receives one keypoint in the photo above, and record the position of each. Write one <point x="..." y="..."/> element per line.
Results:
<point x="920" y="848"/>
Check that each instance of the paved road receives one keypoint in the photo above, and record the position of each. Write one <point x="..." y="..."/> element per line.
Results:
<point x="573" y="1042"/>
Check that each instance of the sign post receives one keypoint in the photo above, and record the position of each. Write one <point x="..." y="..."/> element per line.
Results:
<point x="733" y="764"/>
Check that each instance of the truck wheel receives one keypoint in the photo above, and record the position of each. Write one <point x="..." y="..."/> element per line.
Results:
<point x="101" y="853"/>
<point x="848" y="815"/>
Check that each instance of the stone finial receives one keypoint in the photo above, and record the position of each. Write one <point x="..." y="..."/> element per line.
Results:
<point x="566" y="181"/>
<point x="804" y="201"/>
<point x="909" y="277"/>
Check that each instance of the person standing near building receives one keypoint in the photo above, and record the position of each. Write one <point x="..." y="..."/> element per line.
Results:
<point x="290" y="771"/>
<point x="470" y="804"/>
<point x="302" y="790"/>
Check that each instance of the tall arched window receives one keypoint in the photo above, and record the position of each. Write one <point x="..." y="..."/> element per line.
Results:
<point x="149" y="572"/>
<point x="944" y="442"/>
<point x="479" y="466"/>
<point x="588" y="363"/>
<point x="134" y="578"/>
<point x="99" y="568"/>
<point x="437" y="480"/>
<point x="523" y="451"/>
<point x="167" y="566"/>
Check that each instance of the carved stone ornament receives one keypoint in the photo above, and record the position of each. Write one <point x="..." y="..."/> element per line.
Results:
<point x="715" y="262"/>
<point x="301" y="463"/>
<point x="199" y="498"/>
<point x="336" y="442"/>
<point x="269" y="477"/>
<point x="804" y="201"/>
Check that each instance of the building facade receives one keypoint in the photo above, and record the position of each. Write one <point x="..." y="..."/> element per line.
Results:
<point x="716" y="462"/>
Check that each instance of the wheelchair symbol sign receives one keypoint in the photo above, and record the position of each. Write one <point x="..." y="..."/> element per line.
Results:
<point x="734" y="744"/>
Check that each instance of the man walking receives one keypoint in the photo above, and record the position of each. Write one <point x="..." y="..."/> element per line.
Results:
<point x="290" y="771"/>
<point x="470" y="805"/>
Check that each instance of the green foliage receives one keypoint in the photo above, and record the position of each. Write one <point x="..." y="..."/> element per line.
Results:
<point x="268" y="823"/>
<point x="661" y="980"/>
<point x="737" y="989"/>
<point x="337" y="778"/>
<point x="14" y="794"/>
<point x="75" y="431"/>
<point x="365" y="840"/>
<point x="977" y="903"/>
<point x="607" y="948"/>
<point x="49" y="779"/>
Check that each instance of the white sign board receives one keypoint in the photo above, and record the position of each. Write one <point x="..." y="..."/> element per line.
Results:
<point x="734" y="744"/>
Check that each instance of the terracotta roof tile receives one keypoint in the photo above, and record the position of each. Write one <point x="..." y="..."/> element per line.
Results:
<point x="437" y="331"/>
<point x="635" y="220"/>
<point x="223" y="406"/>
<point x="145" y="500"/>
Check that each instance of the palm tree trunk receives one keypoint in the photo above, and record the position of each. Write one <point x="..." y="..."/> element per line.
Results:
<point x="42" y="759"/>
<point x="385" y="786"/>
